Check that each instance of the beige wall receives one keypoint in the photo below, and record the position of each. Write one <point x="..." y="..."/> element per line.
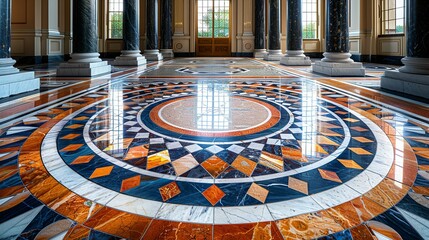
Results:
<point x="43" y="28"/>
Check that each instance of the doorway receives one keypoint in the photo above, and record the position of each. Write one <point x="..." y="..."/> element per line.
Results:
<point x="213" y="29"/>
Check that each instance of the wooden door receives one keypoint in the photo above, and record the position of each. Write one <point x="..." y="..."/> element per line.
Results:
<point x="213" y="31"/>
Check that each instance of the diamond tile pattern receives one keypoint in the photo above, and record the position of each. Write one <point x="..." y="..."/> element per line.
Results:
<point x="244" y="165"/>
<point x="101" y="172"/>
<point x="214" y="165"/>
<point x="71" y="148"/>
<point x="213" y="194"/>
<point x="257" y="192"/>
<point x="350" y="164"/>
<point x="298" y="185"/>
<point x="271" y="161"/>
<point x="130" y="183"/>
<point x="169" y="191"/>
<point x="83" y="159"/>
<point x="184" y="164"/>
<point x="158" y="159"/>
<point x="329" y="175"/>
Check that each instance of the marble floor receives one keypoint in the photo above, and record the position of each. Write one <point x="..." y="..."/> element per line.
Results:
<point x="214" y="148"/>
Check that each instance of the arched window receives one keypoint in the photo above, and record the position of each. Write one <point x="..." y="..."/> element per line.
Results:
<point x="115" y="19"/>
<point x="309" y="19"/>
<point x="392" y="16"/>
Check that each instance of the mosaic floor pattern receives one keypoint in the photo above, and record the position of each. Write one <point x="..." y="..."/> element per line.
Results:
<point x="215" y="158"/>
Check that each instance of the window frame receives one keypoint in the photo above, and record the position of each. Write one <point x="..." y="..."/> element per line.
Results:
<point x="109" y="21"/>
<point x="305" y="21"/>
<point x="384" y="21"/>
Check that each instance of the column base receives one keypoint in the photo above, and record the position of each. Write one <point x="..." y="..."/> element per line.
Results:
<point x="83" y="69"/>
<point x="295" y="61"/>
<point x="130" y="58"/>
<point x="84" y="65"/>
<point x="259" y="53"/>
<point x="413" y="84"/>
<point x="167" y="53"/>
<point x="16" y="83"/>
<point x="273" y="55"/>
<point x="153" y="55"/>
<point x="339" y="69"/>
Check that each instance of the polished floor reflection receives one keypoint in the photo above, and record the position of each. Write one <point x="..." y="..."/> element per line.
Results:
<point x="159" y="153"/>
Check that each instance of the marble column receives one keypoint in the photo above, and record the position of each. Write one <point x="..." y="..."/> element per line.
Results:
<point x="85" y="61"/>
<point x="130" y="56"/>
<point x="260" y="49"/>
<point x="166" y="29"/>
<point x="274" y="43"/>
<point x="337" y="61"/>
<point x="12" y="81"/>
<point x="152" y="52"/>
<point x="294" y="53"/>
<point x="413" y="77"/>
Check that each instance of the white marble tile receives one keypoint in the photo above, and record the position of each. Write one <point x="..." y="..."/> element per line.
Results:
<point x="272" y="141"/>
<point x="156" y="141"/>
<point x="193" y="148"/>
<point x="142" y="135"/>
<point x="364" y="182"/>
<point x="134" y="129"/>
<point x="293" y="207"/>
<point x="287" y="136"/>
<point x="173" y="145"/>
<point x="335" y="196"/>
<point x="135" y="205"/>
<point x="256" y="146"/>
<point x="242" y="214"/>
<point x="186" y="213"/>
<point x="235" y="149"/>
<point x="95" y="193"/>
<point x="214" y="149"/>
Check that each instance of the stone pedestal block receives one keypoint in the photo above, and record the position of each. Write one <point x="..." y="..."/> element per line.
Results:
<point x="273" y="55"/>
<point x="339" y="69"/>
<point x="413" y="84"/>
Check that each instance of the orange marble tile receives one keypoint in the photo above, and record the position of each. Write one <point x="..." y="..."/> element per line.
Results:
<point x="355" y="212"/>
<point x="325" y="140"/>
<point x="169" y="191"/>
<point x="7" y="172"/>
<point x="82" y="118"/>
<point x="184" y="164"/>
<point x="9" y="140"/>
<point x="31" y="168"/>
<point x="244" y="165"/>
<point x="167" y="230"/>
<point x="387" y="193"/>
<point x="360" y="151"/>
<point x="74" y="126"/>
<point x="362" y="232"/>
<point x="359" y="129"/>
<point x="213" y="194"/>
<point x="70" y="136"/>
<point x="83" y="159"/>
<point x="137" y="152"/>
<point x="101" y="172"/>
<point x="363" y="139"/>
<point x="351" y="120"/>
<point x="421" y="190"/>
<point x="10" y="191"/>
<point x="293" y="154"/>
<point x="158" y="159"/>
<point x="383" y="229"/>
<point x="262" y="231"/>
<point x="257" y="192"/>
<point x="71" y="148"/>
<point x="271" y="161"/>
<point x="17" y="199"/>
<point x="329" y="175"/>
<point x="131" y="182"/>
<point x="298" y="185"/>
<point x="77" y="232"/>
<point x="328" y="132"/>
<point x="350" y="164"/>
<point x="406" y="173"/>
<point x="308" y="226"/>
<point x="118" y="223"/>
<point x="424" y="167"/>
<point x="75" y="207"/>
<point x="214" y="165"/>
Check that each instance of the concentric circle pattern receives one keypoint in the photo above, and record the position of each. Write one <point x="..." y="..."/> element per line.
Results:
<point x="203" y="159"/>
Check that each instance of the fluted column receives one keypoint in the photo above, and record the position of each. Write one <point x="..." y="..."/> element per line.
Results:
<point x="152" y="51"/>
<point x="295" y="53"/>
<point x="337" y="61"/>
<point x="274" y="43"/>
<point x="166" y="29"/>
<point x="85" y="59"/>
<point x="413" y="78"/>
<point x="260" y="49"/>
<point x="11" y="80"/>
<point x="131" y="54"/>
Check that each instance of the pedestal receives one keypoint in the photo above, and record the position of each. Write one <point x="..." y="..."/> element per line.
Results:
<point x="153" y="55"/>
<point x="84" y="65"/>
<point x="413" y="84"/>
<point x="273" y="55"/>
<point x="259" y="53"/>
<point x="167" y="53"/>
<point x="16" y="83"/>
<point x="339" y="64"/>
<point x="295" y="58"/>
<point x="130" y="58"/>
